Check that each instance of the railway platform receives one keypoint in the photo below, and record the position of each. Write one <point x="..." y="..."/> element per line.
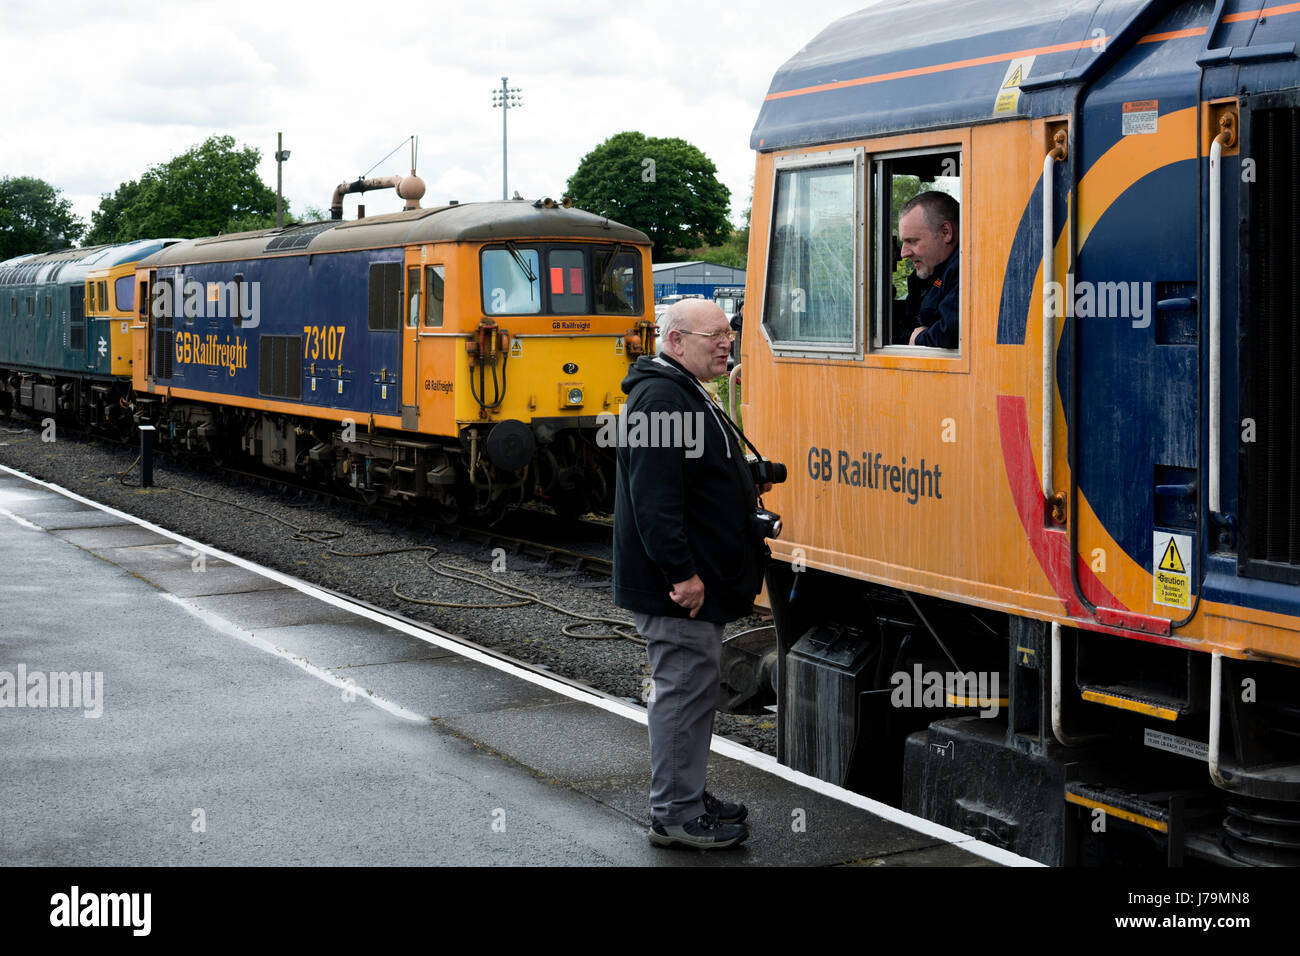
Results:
<point x="165" y="704"/>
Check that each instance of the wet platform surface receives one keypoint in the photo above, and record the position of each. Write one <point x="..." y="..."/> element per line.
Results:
<point x="228" y="718"/>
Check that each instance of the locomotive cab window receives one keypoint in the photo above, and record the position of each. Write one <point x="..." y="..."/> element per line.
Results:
<point x="426" y="300"/>
<point x="617" y="275"/>
<point x="916" y="251"/>
<point x="512" y="282"/>
<point x="435" y="292"/>
<point x="568" y="284"/>
<point x="561" y="279"/>
<point x="812" y="286"/>
<point x="122" y="294"/>
<point x="413" y="297"/>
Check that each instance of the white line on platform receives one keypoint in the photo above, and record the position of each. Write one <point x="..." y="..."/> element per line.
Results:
<point x="19" y="519"/>
<point x="721" y="745"/>
<point x="221" y="625"/>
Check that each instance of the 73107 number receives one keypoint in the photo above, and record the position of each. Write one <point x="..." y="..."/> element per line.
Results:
<point x="323" y="342"/>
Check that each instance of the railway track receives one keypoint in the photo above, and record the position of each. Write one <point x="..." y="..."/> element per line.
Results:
<point x="561" y="558"/>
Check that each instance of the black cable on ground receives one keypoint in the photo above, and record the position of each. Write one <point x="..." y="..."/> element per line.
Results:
<point x="621" y="630"/>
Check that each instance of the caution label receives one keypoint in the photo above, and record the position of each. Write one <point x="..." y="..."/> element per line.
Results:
<point x="1171" y="562"/>
<point x="1008" y="98"/>
<point x="1141" y="117"/>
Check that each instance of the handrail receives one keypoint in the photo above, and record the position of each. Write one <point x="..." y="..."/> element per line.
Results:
<point x="1226" y="137"/>
<point x="1216" y="702"/>
<point x="1056" y="154"/>
<point x="731" y="392"/>
<point x="1058" y="699"/>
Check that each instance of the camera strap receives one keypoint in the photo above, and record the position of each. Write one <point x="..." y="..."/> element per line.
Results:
<point x="713" y="404"/>
<point x="736" y="429"/>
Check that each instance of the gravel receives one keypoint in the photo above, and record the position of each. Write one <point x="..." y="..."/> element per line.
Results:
<point x="302" y="535"/>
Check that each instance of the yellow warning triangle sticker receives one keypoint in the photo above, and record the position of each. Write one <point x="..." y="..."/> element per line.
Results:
<point x="1015" y="79"/>
<point x="1172" y="561"/>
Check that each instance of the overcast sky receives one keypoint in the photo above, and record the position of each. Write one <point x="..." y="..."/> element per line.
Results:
<point x="112" y="88"/>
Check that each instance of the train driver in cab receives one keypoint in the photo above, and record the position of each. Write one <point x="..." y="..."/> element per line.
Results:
<point x="928" y="232"/>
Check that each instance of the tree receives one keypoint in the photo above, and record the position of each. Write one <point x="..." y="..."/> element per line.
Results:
<point x="198" y="193"/>
<point x="666" y="188"/>
<point x="34" y="218"/>
<point x="902" y="190"/>
<point x="106" y="221"/>
<point x="735" y="251"/>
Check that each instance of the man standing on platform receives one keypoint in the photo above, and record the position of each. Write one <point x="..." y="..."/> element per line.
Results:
<point x="685" y="561"/>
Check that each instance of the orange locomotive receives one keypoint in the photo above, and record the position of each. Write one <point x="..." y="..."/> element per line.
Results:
<point x="1045" y="572"/>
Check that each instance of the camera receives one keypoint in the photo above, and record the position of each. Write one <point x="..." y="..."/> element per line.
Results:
<point x="767" y="472"/>
<point x="765" y="524"/>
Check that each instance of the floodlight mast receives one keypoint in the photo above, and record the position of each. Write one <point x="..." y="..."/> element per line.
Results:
<point x="281" y="156"/>
<point x="506" y="98"/>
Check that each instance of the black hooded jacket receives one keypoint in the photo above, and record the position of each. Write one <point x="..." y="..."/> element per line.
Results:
<point x="681" y="511"/>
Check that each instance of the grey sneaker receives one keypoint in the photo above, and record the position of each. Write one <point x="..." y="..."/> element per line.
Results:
<point x="705" y="832"/>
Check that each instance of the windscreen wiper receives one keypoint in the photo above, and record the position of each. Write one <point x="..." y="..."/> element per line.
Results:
<point x="609" y="266"/>
<point x="523" y="265"/>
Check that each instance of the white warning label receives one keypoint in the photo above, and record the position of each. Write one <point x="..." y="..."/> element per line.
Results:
<point x="1171" y="569"/>
<point x="1141" y="116"/>
<point x="1176" y="745"/>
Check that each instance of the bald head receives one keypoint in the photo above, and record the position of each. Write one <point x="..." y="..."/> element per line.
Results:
<point x="684" y="332"/>
<point x="685" y="311"/>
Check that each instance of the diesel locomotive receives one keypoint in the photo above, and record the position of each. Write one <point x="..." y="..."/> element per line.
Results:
<point x="1042" y="586"/>
<point x="456" y="356"/>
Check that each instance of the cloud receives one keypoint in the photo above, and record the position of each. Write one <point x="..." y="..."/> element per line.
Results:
<point x="346" y="84"/>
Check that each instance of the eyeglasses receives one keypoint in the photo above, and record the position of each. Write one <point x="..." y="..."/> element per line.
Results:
<point x="717" y="337"/>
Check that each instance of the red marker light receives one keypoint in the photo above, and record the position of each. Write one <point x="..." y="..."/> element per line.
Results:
<point x="575" y="281"/>
<point x="557" y="281"/>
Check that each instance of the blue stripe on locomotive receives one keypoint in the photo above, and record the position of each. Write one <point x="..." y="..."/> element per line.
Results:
<point x="321" y="291"/>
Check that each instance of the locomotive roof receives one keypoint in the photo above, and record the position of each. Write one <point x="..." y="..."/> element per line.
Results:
<point x="465" y="222"/>
<point x="921" y="64"/>
<point x="72" y="265"/>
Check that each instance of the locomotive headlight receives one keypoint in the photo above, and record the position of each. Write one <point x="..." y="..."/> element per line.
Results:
<point x="575" y="396"/>
<point x="571" y="395"/>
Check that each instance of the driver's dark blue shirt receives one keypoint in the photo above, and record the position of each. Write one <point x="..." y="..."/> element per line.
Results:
<point x="932" y="302"/>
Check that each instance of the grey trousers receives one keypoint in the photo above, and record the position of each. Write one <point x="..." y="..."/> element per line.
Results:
<point x="684" y="660"/>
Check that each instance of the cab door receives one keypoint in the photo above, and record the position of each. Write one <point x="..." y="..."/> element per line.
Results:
<point x="1132" y="308"/>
